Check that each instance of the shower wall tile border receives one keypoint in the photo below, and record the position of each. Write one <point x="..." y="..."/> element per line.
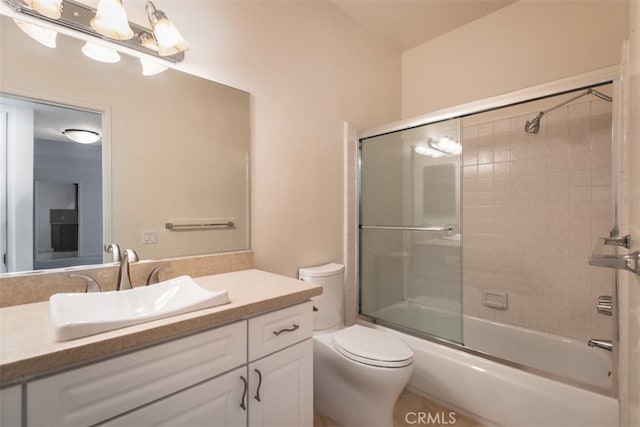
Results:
<point x="350" y="242"/>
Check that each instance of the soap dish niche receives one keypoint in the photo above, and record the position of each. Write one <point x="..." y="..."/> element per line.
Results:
<point x="493" y="299"/>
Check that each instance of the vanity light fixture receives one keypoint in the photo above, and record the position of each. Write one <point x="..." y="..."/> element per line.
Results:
<point x="427" y="151"/>
<point x="49" y="8"/>
<point x="147" y="40"/>
<point x="446" y="145"/>
<point x="42" y="35"/>
<point x="82" y="136"/>
<point x="170" y="41"/>
<point x="100" y="53"/>
<point x="111" y="20"/>
<point x="108" y="23"/>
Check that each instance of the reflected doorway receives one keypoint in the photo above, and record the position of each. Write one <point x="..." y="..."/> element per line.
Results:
<point x="51" y="188"/>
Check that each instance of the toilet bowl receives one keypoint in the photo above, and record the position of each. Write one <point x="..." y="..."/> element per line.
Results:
<point x="358" y="372"/>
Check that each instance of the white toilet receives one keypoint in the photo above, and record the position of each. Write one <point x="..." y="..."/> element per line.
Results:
<point x="358" y="372"/>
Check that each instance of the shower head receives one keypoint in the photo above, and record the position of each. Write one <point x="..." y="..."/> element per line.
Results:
<point x="533" y="126"/>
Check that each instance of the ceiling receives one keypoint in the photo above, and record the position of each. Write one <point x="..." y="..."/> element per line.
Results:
<point x="405" y="24"/>
<point x="51" y="120"/>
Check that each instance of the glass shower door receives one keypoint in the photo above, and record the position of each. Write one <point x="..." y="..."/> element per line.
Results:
<point x="410" y="246"/>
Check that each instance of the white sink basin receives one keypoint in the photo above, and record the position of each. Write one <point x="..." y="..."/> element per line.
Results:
<point x="79" y="315"/>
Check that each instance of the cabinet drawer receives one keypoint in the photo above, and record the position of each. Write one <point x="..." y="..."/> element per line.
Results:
<point x="102" y="390"/>
<point x="272" y="331"/>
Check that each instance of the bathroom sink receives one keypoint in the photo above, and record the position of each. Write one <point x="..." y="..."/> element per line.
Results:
<point x="76" y="315"/>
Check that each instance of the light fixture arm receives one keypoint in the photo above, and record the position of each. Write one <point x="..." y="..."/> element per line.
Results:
<point x="77" y="16"/>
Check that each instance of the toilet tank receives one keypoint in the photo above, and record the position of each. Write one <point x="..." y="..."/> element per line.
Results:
<point x="329" y="305"/>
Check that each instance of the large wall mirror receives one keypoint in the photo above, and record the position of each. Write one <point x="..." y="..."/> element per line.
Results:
<point x="174" y="148"/>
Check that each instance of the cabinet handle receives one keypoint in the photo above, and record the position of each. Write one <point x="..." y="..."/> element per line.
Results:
<point x="244" y="393"/>
<point x="276" y="333"/>
<point x="257" y="396"/>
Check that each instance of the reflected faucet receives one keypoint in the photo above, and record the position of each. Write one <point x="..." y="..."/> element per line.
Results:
<point x="603" y="344"/>
<point x="114" y="250"/>
<point x="124" y="278"/>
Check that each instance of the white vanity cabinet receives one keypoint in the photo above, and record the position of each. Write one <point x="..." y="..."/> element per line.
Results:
<point x="281" y="368"/>
<point x="11" y="406"/>
<point x="100" y="391"/>
<point x="256" y="372"/>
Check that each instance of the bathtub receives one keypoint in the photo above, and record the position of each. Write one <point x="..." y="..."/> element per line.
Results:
<point x="503" y="394"/>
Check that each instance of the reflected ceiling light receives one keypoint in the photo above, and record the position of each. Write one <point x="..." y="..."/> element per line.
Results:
<point x="82" y="136"/>
<point x="49" y="8"/>
<point x="169" y="38"/>
<point x="150" y="68"/>
<point x="100" y="53"/>
<point x="111" y="20"/>
<point x="42" y="35"/>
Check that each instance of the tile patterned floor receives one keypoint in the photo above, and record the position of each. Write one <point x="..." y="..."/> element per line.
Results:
<point x="413" y="410"/>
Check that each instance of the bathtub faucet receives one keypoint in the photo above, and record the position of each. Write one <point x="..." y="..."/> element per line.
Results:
<point x="604" y="344"/>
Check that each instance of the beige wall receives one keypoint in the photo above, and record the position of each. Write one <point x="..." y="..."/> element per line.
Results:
<point x="521" y="45"/>
<point x="308" y="68"/>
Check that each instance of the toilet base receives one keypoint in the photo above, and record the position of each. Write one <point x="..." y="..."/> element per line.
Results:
<point x="353" y="393"/>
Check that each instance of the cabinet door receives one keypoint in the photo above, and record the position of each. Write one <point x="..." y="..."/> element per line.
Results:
<point x="281" y="388"/>
<point x="216" y="403"/>
<point x="11" y="406"/>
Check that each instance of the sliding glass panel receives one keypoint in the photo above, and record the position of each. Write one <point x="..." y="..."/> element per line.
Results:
<point x="410" y="229"/>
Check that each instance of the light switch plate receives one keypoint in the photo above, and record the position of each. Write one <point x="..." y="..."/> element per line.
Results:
<point x="149" y="237"/>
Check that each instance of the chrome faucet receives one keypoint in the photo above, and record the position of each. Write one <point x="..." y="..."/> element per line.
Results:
<point x="124" y="278"/>
<point x="154" y="276"/>
<point x="603" y="344"/>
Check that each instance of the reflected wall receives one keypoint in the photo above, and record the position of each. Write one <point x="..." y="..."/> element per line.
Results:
<point x="177" y="144"/>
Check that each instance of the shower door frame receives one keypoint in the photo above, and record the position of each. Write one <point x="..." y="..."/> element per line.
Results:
<point x="597" y="77"/>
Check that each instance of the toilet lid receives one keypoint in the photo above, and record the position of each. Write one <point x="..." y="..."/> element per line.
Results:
<point x="372" y="346"/>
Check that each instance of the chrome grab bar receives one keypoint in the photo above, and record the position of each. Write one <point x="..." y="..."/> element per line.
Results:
<point x="408" y="228"/>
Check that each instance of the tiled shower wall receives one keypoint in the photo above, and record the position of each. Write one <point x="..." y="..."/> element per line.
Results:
<point x="534" y="207"/>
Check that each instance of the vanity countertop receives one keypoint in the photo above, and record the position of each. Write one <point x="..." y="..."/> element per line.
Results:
<point x="27" y="349"/>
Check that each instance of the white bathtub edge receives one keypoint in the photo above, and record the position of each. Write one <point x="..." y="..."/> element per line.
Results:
<point x="501" y="394"/>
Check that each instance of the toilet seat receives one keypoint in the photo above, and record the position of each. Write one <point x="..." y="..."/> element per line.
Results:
<point x="372" y="347"/>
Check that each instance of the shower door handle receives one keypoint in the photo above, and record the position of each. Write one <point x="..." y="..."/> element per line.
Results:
<point x="408" y="228"/>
